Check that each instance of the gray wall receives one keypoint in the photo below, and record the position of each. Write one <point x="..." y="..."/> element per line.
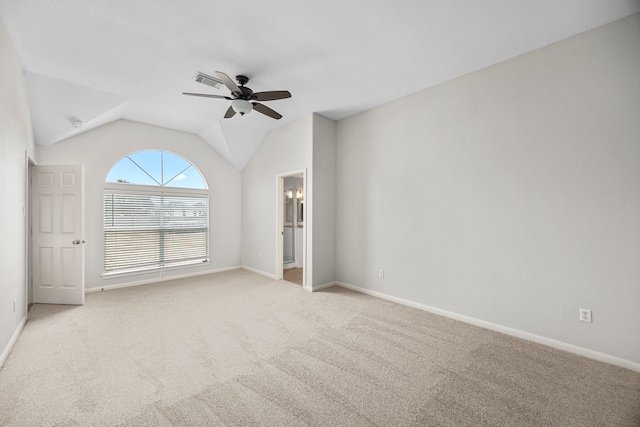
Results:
<point x="306" y="143"/>
<point x="324" y="200"/>
<point x="511" y="195"/>
<point x="101" y="148"/>
<point x="283" y="150"/>
<point x="16" y="139"/>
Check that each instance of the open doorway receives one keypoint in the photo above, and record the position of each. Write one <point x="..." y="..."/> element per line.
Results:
<point x="291" y="227"/>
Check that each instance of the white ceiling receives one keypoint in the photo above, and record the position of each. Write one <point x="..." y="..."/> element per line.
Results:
<point x="101" y="60"/>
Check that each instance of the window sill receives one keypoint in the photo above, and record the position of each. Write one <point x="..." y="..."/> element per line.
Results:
<point x="139" y="271"/>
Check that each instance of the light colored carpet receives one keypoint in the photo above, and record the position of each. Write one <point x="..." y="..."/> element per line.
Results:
<point x="238" y="349"/>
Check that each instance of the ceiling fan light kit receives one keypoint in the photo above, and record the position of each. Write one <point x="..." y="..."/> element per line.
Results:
<point x="243" y="99"/>
<point x="241" y="106"/>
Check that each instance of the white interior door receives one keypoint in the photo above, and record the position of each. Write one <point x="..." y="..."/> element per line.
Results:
<point x="58" y="234"/>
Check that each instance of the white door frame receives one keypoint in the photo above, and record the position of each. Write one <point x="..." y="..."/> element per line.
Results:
<point x="29" y="163"/>
<point x="280" y="224"/>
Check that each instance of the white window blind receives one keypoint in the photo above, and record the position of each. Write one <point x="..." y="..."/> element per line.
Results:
<point x="151" y="230"/>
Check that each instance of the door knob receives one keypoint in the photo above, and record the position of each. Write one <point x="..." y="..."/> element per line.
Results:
<point x="78" y="241"/>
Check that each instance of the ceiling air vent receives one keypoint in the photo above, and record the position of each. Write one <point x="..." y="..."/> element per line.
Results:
<point x="207" y="80"/>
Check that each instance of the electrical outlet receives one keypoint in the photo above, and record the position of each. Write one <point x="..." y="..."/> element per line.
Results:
<point x="585" y="315"/>
<point x="162" y="274"/>
<point x="381" y="273"/>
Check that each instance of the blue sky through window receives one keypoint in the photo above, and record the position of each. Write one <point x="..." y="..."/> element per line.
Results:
<point x="156" y="168"/>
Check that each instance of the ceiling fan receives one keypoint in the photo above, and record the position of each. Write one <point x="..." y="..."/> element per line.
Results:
<point x="243" y="99"/>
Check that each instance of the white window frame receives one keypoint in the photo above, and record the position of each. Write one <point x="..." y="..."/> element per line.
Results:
<point x="157" y="191"/>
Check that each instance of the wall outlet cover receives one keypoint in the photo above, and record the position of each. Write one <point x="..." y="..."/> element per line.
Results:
<point x="585" y="315"/>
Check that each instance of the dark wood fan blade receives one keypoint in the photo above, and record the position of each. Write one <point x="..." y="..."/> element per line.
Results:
<point x="206" y="95"/>
<point x="272" y="95"/>
<point x="230" y="113"/>
<point x="229" y="83"/>
<point x="266" y="110"/>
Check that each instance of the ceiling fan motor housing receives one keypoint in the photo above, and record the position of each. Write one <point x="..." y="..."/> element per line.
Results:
<point x="242" y="80"/>
<point x="247" y="93"/>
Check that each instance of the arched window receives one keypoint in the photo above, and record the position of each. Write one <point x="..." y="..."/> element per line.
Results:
<point x="156" y="213"/>
<point x="156" y="168"/>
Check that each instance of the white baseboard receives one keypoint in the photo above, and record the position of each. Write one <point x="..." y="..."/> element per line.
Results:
<point x="260" y="272"/>
<point x="323" y="286"/>
<point x="12" y="341"/>
<point x="581" y="351"/>
<point x="158" y="279"/>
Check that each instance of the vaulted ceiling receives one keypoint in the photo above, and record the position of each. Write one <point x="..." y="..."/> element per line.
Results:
<point x="102" y="60"/>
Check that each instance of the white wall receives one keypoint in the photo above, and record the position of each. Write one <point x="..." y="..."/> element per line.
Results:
<point x="283" y="150"/>
<point x="307" y="143"/>
<point x="101" y="148"/>
<point x="324" y="201"/>
<point x="511" y="195"/>
<point x="16" y="139"/>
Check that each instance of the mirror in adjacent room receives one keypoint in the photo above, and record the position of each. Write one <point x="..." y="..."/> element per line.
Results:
<point x="299" y="208"/>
